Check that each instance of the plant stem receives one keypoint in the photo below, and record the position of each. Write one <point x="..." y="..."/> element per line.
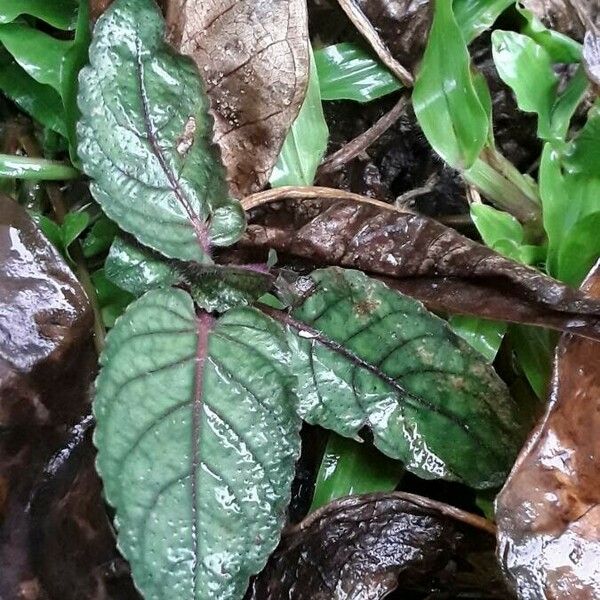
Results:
<point x="509" y="194"/>
<point x="38" y="169"/>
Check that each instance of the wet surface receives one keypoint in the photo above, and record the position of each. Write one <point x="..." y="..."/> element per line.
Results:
<point x="549" y="510"/>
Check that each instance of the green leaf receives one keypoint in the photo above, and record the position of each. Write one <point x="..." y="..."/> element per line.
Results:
<point x="350" y="468"/>
<point x="112" y="300"/>
<point x="137" y="269"/>
<point x="347" y="72"/>
<point x="221" y="288"/>
<point x="61" y="14"/>
<point x="39" y="54"/>
<point x="579" y="250"/>
<point x="73" y="226"/>
<point x="367" y="355"/>
<point x="527" y="68"/>
<point x="445" y="100"/>
<point x="476" y="16"/>
<point x="100" y="237"/>
<point x="197" y="440"/>
<point x="560" y="47"/>
<point x="145" y="138"/>
<point x="496" y="225"/>
<point x="583" y="153"/>
<point x="567" y="198"/>
<point x="40" y="101"/>
<point x="483" y="335"/>
<point x="50" y="229"/>
<point x="306" y="142"/>
<point x="567" y="103"/>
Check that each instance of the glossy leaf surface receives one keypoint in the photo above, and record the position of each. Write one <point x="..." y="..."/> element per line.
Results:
<point x="60" y="14"/>
<point x="445" y="101"/>
<point x="475" y="16"/>
<point x="367" y="355"/>
<point x="306" y="141"/>
<point x="145" y="138"/>
<point x="197" y="438"/>
<point x="347" y="72"/>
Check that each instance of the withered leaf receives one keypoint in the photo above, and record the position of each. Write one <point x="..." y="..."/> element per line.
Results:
<point x="253" y="56"/>
<point x="45" y="326"/>
<point x="549" y="510"/>
<point x="418" y="256"/>
<point x="364" y="547"/>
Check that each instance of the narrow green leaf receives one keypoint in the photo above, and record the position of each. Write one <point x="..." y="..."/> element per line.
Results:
<point x="560" y="47"/>
<point x="61" y="14"/>
<point x="306" y="142"/>
<point x="197" y="440"/>
<point x="483" y="335"/>
<point x="23" y="167"/>
<point x="137" y="269"/>
<point x="495" y="225"/>
<point x="445" y="100"/>
<point x="347" y="72"/>
<point x="350" y="468"/>
<point x="367" y="355"/>
<point x="112" y="299"/>
<point x="527" y="68"/>
<point x="583" y="153"/>
<point x="476" y="16"/>
<point x="567" y="103"/>
<point x="579" y="250"/>
<point x="40" y="101"/>
<point x="73" y="226"/>
<point x="39" y="54"/>
<point x="145" y="138"/>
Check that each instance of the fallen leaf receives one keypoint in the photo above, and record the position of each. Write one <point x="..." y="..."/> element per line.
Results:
<point x="415" y="254"/>
<point x="364" y="547"/>
<point x="45" y="326"/>
<point x="548" y="513"/>
<point x="253" y="56"/>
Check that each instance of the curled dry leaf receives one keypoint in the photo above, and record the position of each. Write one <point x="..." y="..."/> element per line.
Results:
<point x="415" y="254"/>
<point x="591" y="56"/>
<point x="45" y="326"/>
<point x="253" y="56"/>
<point x="549" y="510"/>
<point x="364" y="547"/>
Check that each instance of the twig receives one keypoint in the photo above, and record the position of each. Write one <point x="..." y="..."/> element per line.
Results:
<point x="354" y="147"/>
<point x="402" y="201"/>
<point x="364" y="26"/>
<point x="310" y="193"/>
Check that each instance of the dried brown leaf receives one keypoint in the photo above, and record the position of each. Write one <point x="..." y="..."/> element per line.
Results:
<point x="549" y="510"/>
<point x="591" y="56"/>
<point x="414" y="253"/>
<point x="253" y="56"/>
<point x="364" y="547"/>
<point x="570" y="17"/>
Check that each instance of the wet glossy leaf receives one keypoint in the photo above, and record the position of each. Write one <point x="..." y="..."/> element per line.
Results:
<point x="112" y="299"/>
<point x="197" y="440"/>
<point x="475" y="16"/>
<point x="419" y="257"/>
<point x="445" y="101"/>
<point x="306" y="141"/>
<point x="548" y="512"/>
<point x="347" y="72"/>
<point x="366" y="355"/>
<point x="145" y="138"/>
<point x="40" y="101"/>
<point x="349" y="468"/>
<point x="561" y="47"/>
<point x="60" y="14"/>
<point x="579" y="250"/>
<point x="484" y="335"/>
<point x="365" y="547"/>
<point x="254" y="57"/>
<point x="527" y="68"/>
<point x="137" y="269"/>
<point x="583" y="153"/>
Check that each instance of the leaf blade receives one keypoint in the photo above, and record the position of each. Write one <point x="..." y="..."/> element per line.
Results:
<point x="216" y="416"/>
<point x="155" y="170"/>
